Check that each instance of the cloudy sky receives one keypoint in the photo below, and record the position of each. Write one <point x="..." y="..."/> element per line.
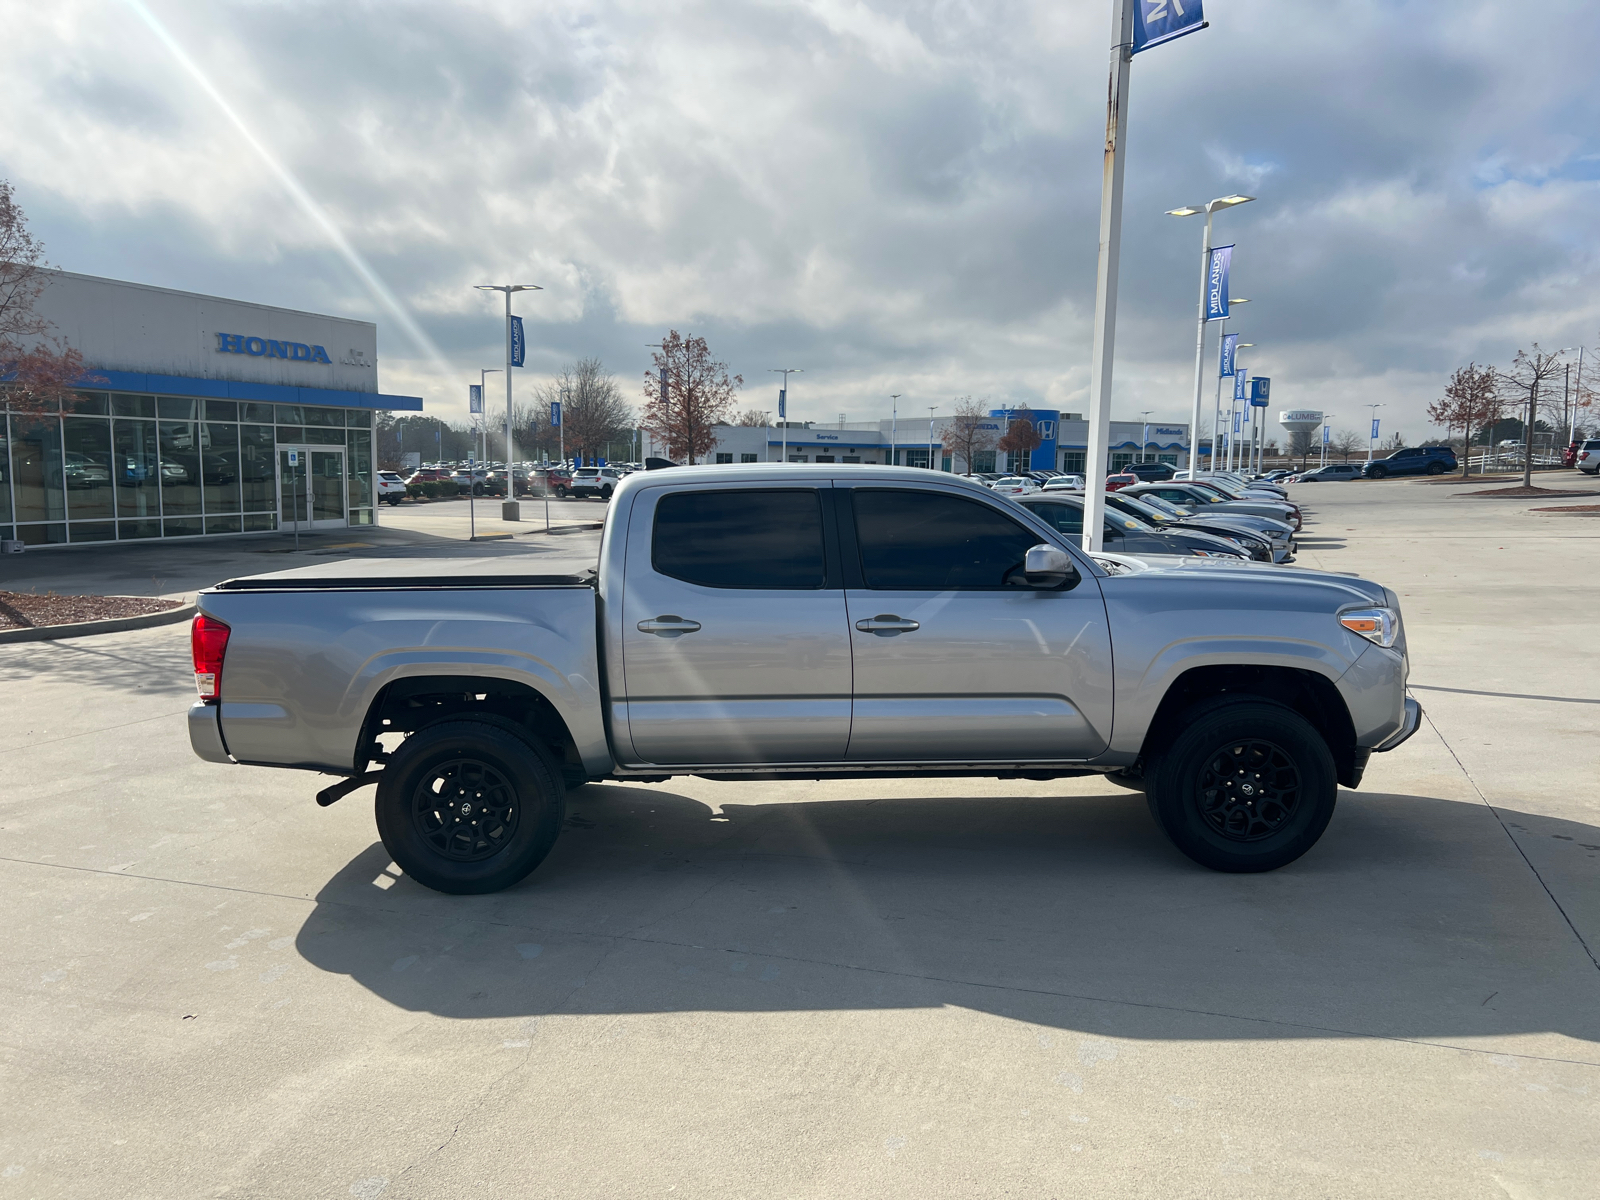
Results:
<point x="897" y="197"/>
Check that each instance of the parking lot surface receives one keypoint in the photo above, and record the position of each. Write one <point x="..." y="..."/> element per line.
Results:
<point x="947" y="988"/>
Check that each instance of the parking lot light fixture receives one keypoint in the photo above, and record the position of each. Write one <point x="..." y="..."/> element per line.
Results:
<point x="508" y="288"/>
<point x="1371" y="437"/>
<point x="783" y="406"/>
<point x="1189" y="210"/>
<point x="932" y="464"/>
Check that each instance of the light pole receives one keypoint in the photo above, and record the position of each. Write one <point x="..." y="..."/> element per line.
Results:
<point x="1144" y="439"/>
<point x="932" y="408"/>
<point x="1233" y="403"/>
<point x="508" y="288"/>
<point x="894" y="421"/>
<point x="783" y="405"/>
<point x="1200" y="331"/>
<point x="1566" y="392"/>
<point x="1372" y="435"/>
<point x="766" y="423"/>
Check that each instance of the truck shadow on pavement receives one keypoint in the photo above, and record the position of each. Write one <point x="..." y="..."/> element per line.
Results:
<point x="1414" y="917"/>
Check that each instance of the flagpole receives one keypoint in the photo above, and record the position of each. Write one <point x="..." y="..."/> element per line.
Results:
<point x="1106" y="277"/>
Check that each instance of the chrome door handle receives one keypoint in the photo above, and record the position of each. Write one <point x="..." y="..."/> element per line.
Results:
<point x="887" y="625"/>
<point x="669" y="626"/>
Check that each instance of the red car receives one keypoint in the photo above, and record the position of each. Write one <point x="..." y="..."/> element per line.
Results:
<point x="1115" y="483"/>
<point x="427" y="475"/>
<point x="1569" y="456"/>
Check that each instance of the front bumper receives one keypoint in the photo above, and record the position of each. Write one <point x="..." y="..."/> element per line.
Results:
<point x="1409" y="725"/>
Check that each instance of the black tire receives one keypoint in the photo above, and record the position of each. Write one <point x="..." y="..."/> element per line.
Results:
<point x="1246" y="744"/>
<point x="462" y="853"/>
<point x="605" y="493"/>
<point x="1437" y="468"/>
<point x="1377" y="472"/>
<point x="561" y="492"/>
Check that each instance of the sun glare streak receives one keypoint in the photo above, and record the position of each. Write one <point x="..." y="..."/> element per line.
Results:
<point x="303" y="198"/>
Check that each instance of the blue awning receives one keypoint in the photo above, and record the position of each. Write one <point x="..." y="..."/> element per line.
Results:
<point x="234" y="389"/>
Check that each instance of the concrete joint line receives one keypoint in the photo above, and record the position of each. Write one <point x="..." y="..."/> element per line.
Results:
<point x="1595" y="962"/>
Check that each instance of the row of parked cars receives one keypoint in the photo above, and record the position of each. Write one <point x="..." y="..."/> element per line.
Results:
<point x="494" y="479"/>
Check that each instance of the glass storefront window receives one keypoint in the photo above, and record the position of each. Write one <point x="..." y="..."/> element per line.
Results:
<point x="360" y="466"/>
<point x="256" y="469"/>
<point x="5" y="476"/>
<point x="133" y="406"/>
<point x="180" y="469"/>
<point x="177" y="408"/>
<point x="257" y="412"/>
<point x="324" y="437"/>
<point x="222" y="410"/>
<point x="37" y="469"/>
<point x="358" y="418"/>
<point x="87" y="468"/>
<point x="219" y="466"/>
<point x="138" y="469"/>
<point x="290" y="414"/>
<point x="323" y="416"/>
<point x="89" y="403"/>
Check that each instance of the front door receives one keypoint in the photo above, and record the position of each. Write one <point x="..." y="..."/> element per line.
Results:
<point x="956" y="657"/>
<point x="311" y="490"/>
<point x="735" y="647"/>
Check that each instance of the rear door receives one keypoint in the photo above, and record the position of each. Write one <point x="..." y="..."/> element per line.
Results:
<point x="956" y="658"/>
<point x="735" y="646"/>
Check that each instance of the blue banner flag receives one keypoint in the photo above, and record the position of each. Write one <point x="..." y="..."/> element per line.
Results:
<point x="783" y="400"/>
<point x="1239" y="376"/>
<point x="1260" y="390"/>
<point x="1217" y="283"/>
<point x="1326" y="430"/>
<point x="519" y="345"/>
<point x="1157" y="21"/>
<point x="1230" y="342"/>
<point x="1236" y="417"/>
<point x="1374" y="428"/>
<point x="475" y="398"/>
<point x="555" y="414"/>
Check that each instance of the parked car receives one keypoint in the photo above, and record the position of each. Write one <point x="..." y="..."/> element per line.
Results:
<point x="554" y="480"/>
<point x="1332" y="473"/>
<point x="1152" y="471"/>
<point x="1065" y="483"/>
<point x="595" y="481"/>
<point x="1588" y="457"/>
<point x="391" y="488"/>
<point x="429" y="475"/>
<point x="1120" y="480"/>
<point x="1414" y="460"/>
<point x="1264" y="539"/>
<point x="1193" y="493"/>
<point x="986" y="642"/>
<point x="1014" y="485"/>
<point x="1125" y="534"/>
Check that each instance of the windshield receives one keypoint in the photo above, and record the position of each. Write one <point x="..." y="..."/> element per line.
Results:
<point x="1220" y="489"/>
<point x="1152" y="508"/>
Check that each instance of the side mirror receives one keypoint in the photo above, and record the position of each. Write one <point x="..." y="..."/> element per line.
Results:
<point x="1048" y="567"/>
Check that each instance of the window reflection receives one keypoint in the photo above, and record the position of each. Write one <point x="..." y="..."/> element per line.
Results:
<point x="137" y="470"/>
<point x="256" y="470"/>
<point x="219" y="461"/>
<point x="180" y="468"/>
<point x="87" y="468"/>
<point x="37" y="467"/>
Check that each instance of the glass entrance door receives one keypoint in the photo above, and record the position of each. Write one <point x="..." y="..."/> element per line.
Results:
<point x="311" y="491"/>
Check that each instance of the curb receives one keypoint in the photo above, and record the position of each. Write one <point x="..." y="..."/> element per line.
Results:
<point x="45" y="633"/>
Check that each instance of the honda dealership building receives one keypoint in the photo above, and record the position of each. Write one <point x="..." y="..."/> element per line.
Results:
<point x="205" y="416"/>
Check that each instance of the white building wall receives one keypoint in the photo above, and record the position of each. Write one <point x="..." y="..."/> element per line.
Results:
<point x="133" y="327"/>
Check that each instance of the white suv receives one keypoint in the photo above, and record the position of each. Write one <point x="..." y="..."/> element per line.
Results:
<point x="595" y="481"/>
<point x="391" y="487"/>
<point x="1588" y="458"/>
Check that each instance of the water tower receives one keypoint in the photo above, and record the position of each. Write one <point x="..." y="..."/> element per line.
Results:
<point x="1300" y="420"/>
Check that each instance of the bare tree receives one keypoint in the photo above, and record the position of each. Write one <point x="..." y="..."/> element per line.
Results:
<point x="45" y="369"/>
<point x="751" y="418"/>
<point x="593" y="412"/>
<point x="969" y="431"/>
<point x="1531" y="371"/>
<point x="1300" y="444"/>
<point x="1471" y="401"/>
<point x="1345" y="443"/>
<point x="1021" y="437"/>
<point x="699" y="392"/>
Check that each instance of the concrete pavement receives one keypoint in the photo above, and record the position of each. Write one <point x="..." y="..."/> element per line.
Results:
<point x="944" y="988"/>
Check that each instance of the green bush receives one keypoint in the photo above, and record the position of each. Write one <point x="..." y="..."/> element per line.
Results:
<point x="415" y="490"/>
<point x="431" y="489"/>
<point x="448" y="487"/>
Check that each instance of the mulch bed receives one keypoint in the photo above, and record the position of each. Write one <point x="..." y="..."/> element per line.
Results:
<point x="1519" y="490"/>
<point x="25" y="610"/>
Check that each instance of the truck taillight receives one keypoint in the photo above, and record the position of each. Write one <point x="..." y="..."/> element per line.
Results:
<point x="208" y="639"/>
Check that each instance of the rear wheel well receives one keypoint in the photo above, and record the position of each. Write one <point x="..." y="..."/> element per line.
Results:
<point x="1311" y="695"/>
<point x="407" y="705"/>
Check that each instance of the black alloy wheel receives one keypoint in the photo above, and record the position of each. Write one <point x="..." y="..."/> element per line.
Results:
<point x="605" y="493"/>
<point x="1242" y="784"/>
<point x="469" y="806"/>
<point x="1437" y="468"/>
<point x="1377" y="472"/>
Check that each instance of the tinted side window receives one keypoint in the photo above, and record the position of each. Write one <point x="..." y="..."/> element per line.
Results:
<point x="1062" y="517"/>
<point x="924" y="541"/>
<point x="741" y="539"/>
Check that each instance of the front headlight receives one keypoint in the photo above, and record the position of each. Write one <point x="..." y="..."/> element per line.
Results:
<point x="1380" y="625"/>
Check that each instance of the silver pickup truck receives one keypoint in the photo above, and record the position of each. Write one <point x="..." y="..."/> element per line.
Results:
<point x="773" y="621"/>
